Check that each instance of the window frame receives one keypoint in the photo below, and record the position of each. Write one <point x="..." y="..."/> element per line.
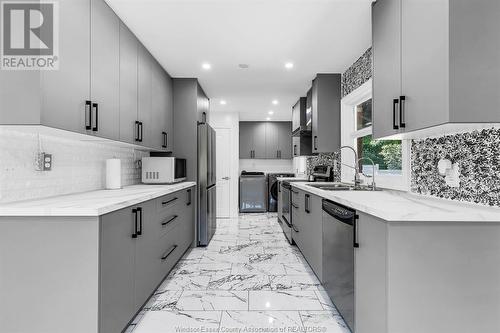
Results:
<point x="349" y="136"/>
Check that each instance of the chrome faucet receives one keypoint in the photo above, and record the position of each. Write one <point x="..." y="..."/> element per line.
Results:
<point x="357" y="180"/>
<point x="373" y="186"/>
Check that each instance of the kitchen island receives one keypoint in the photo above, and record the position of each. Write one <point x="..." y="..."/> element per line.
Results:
<point x="87" y="262"/>
<point x="422" y="265"/>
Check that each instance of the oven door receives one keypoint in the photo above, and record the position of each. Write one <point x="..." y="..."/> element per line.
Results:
<point x="286" y="221"/>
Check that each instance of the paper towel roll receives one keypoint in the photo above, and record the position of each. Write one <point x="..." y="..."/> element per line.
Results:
<point x="113" y="174"/>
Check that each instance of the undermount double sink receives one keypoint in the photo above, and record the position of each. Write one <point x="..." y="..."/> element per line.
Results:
<point x="342" y="187"/>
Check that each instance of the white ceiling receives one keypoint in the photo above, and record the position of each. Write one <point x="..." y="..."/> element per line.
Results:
<point x="318" y="36"/>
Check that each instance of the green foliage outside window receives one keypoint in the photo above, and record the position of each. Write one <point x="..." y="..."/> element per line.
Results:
<point x="385" y="153"/>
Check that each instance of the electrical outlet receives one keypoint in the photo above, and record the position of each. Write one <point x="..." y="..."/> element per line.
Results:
<point x="43" y="162"/>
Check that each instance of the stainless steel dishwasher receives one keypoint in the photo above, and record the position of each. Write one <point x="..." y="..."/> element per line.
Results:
<point x="339" y="241"/>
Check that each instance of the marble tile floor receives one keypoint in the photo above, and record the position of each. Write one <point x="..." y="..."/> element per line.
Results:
<point x="249" y="279"/>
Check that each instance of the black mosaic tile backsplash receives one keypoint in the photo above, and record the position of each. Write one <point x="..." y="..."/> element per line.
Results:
<point x="478" y="154"/>
<point x="358" y="73"/>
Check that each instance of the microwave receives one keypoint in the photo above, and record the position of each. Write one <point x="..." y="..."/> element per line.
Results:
<point x="163" y="170"/>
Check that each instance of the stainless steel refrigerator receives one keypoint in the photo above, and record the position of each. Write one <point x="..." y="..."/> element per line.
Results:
<point x="207" y="217"/>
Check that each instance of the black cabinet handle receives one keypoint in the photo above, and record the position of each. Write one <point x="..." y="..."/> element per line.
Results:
<point x="295" y="228"/>
<point x="355" y="234"/>
<point x="137" y="137"/>
<point x="286" y="221"/>
<point x="295" y="192"/>
<point x="295" y="206"/>
<point x="164" y="203"/>
<point x="164" y="137"/>
<point x="141" y="131"/>
<point x="139" y="212"/>
<point x="169" y="252"/>
<point x="315" y="142"/>
<point x="95" y="106"/>
<point x="134" y="234"/>
<point x="88" y="115"/>
<point x="306" y="203"/>
<point x="169" y="220"/>
<point x="189" y="197"/>
<point x="277" y="154"/>
<point x="294" y="150"/>
<point x="395" y="103"/>
<point x="402" y="111"/>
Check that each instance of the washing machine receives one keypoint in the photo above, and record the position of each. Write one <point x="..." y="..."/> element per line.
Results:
<point x="272" y="186"/>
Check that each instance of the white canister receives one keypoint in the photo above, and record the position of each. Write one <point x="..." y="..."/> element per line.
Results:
<point x="113" y="174"/>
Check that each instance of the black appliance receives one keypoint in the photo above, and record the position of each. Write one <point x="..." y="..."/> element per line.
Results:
<point x="272" y="190"/>
<point x="323" y="173"/>
<point x="339" y="242"/>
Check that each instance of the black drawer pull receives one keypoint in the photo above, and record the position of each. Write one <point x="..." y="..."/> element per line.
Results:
<point x="295" y="206"/>
<point x="164" y="203"/>
<point x="137" y="137"/>
<point x="139" y="211"/>
<point x="286" y="221"/>
<point x="164" y="135"/>
<point x="295" y="228"/>
<point x="306" y="203"/>
<point x="188" y="197"/>
<point x="395" y="103"/>
<point x="170" y="220"/>
<point x="96" y="108"/>
<point x="134" y="234"/>
<point x="355" y="234"/>
<point x="295" y="192"/>
<point x="169" y="252"/>
<point x="402" y="111"/>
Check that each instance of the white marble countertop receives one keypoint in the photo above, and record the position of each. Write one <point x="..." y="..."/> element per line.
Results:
<point x="93" y="203"/>
<point x="397" y="206"/>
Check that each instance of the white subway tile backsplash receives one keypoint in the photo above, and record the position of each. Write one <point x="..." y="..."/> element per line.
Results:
<point x="77" y="165"/>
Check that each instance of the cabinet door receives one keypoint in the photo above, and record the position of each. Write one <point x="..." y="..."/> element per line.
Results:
<point x="370" y="266"/>
<point x="386" y="30"/>
<point x="285" y="140"/>
<point x="168" y="96"/>
<point x="272" y="140"/>
<point x="314" y="115"/>
<point x="64" y="91"/>
<point x="259" y="140"/>
<point x="128" y="84"/>
<point x="116" y="266"/>
<point x="296" y="116"/>
<point x="296" y="146"/>
<point x="105" y="70"/>
<point x="425" y="63"/>
<point x="313" y="214"/>
<point x="144" y="87"/>
<point x="147" y="276"/>
<point x="159" y="108"/>
<point x="246" y="140"/>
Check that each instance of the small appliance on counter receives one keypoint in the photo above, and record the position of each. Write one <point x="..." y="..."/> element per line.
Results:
<point x="163" y="170"/>
<point x="272" y="190"/>
<point x="322" y="173"/>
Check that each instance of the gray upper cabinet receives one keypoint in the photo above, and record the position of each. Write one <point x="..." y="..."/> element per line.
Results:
<point x="265" y="140"/>
<point x="105" y="70"/>
<point x="246" y="140"/>
<point x="159" y="108"/>
<point x="299" y="120"/>
<point x="144" y="103"/>
<point x="326" y="113"/>
<point x="284" y="140"/>
<point x="425" y="72"/>
<point x="64" y="92"/>
<point x="128" y="84"/>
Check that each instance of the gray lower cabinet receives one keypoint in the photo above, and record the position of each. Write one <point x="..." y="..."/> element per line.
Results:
<point x="425" y="72"/>
<point x="139" y="247"/>
<point x="370" y="275"/>
<point x="326" y="96"/>
<point x="105" y="70"/>
<point x="308" y="228"/>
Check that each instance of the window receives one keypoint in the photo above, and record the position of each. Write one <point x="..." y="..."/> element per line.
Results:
<point x="389" y="156"/>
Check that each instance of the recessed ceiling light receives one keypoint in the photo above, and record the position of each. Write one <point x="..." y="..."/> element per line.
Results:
<point x="243" y="66"/>
<point x="289" y="65"/>
<point x="271" y="112"/>
<point x="275" y="102"/>
<point x="206" y="66"/>
<point x="268" y="118"/>
<point x="223" y="102"/>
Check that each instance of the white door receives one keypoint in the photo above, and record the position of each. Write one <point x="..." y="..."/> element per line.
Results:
<point x="223" y="170"/>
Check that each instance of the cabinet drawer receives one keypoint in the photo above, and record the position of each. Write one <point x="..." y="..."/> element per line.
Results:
<point x="165" y="203"/>
<point x="171" y="248"/>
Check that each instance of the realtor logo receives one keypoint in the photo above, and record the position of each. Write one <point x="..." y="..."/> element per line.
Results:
<point x="29" y="36"/>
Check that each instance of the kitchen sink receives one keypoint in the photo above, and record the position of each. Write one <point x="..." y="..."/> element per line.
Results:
<point x="342" y="187"/>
